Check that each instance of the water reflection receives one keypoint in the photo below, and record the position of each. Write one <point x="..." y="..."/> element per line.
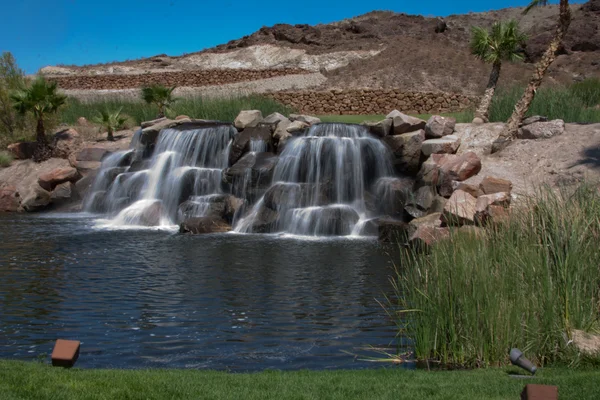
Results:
<point x="158" y="299"/>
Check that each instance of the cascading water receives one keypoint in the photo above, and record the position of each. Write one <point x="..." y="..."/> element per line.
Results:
<point x="320" y="183"/>
<point x="186" y="164"/>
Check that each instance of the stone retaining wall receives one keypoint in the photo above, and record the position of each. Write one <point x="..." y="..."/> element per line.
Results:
<point x="373" y="101"/>
<point x="176" y="78"/>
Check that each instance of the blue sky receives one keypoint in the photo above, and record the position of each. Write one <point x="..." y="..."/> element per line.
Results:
<point x="43" y="32"/>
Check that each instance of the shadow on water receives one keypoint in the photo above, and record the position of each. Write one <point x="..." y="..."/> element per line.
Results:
<point x="152" y="298"/>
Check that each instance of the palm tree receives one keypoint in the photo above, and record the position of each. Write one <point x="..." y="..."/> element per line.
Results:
<point x="112" y="121"/>
<point x="40" y="98"/>
<point x="161" y="96"/>
<point x="502" y="43"/>
<point x="521" y="108"/>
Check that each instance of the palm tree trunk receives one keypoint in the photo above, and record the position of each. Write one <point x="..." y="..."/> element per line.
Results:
<point x="521" y="108"/>
<point x="486" y="101"/>
<point x="110" y="136"/>
<point x="40" y="132"/>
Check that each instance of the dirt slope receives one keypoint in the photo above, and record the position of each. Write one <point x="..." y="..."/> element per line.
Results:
<point x="386" y="49"/>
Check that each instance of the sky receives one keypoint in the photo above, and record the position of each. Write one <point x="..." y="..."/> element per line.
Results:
<point x="51" y="32"/>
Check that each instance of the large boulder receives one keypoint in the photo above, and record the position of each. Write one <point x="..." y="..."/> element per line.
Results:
<point x="251" y="175"/>
<point x="10" y="200"/>
<point x="307" y="119"/>
<point x="446" y="145"/>
<point x="242" y="141"/>
<point x="379" y="129"/>
<point x="204" y="225"/>
<point x="491" y="185"/>
<point x="283" y="196"/>
<point x="391" y="230"/>
<point x="438" y="126"/>
<point x="460" y="209"/>
<point x="147" y="124"/>
<point x="492" y="214"/>
<point x="64" y="193"/>
<point x="420" y="202"/>
<point x="426" y="236"/>
<point x="431" y="220"/>
<point x="22" y="150"/>
<point x="473" y="190"/>
<point x="50" y="180"/>
<point x="406" y="149"/>
<point x="445" y="170"/>
<point x="66" y="142"/>
<point x="542" y="130"/>
<point x="391" y="195"/>
<point x="36" y="200"/>
<point x="403" y="123"/>
<point x="248" y="119"/>
<point x="274" y="118"/>
<point x="477" y="138"/>
<point x="85" y="184"/>
<point x="265" y="221"/>
<point x="497" y="199"/>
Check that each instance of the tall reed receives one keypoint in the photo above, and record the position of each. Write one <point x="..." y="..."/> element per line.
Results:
<point x="525" y="283"/>
<point x="223" y="109"/>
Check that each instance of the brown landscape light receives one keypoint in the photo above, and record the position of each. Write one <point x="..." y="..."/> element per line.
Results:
<point x="65" y="353"/>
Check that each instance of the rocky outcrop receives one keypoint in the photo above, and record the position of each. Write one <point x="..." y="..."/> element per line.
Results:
<point x="438" y="126"/>
<point x="446" y="145"/>
<point x="242" y="142"/>
<point x="460" y="209"/>
<point x="248" y="119"/>
<point x="406" y="149"/>
<point x="38" y="199"/>
<point x="203" y="225"/>
<point x="66" y="142"/>
<point x="542" y="130"/>
<point x="50" y="180"/>
<point x="491" y="185"/>
<point x="10" y="200"/>
<point x="307" y="119"/>
<point x="380" y="129"/>
<point x="403" y="123"/>
<point x="63" y="194"/>
<point x="22" y="150"/>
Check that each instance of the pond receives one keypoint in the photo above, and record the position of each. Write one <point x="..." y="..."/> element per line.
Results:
<point x="158" y="299"/>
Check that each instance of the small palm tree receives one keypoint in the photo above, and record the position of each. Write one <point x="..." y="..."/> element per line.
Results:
<point x="522" y="106"/>
<point x="502" y="43"/>
<point x="40" y="98"/>
<point x="111" y="121"/>
<point x="161" y="96"/>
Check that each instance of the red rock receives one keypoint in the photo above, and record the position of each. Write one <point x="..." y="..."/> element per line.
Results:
<point x="10" y="199"/>
<point x="492" y="214"/>
<point x="65" y="143"/>
<point x="51" y="179"/>
<point x="426" y="235"/>
<point x="496" y="199"/>
<point x="491" y="185"/>
<point x="22" y="150"/>
<point x="461" y="167"/>
<point x="465" y="187"/>
<point x="460" y="209"/>
<point x="65" y="353"/>
<point x="539" y="392"/>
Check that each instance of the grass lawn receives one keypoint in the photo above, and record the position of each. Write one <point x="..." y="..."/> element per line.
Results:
<point x="30" y="380"/>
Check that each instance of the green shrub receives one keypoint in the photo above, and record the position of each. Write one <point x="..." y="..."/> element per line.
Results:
<point x="524" y="284"/>
<point x="5" y="159"/>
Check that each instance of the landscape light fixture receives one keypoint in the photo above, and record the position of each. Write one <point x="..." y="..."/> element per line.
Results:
<point x="517" y="358"/>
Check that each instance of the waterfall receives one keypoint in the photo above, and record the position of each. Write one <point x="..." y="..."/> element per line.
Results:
<point x="319" y="183"/>
<point x="186" y="164"/>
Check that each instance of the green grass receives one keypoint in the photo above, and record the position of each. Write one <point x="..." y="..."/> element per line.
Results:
<point x="5" y="159"/>
<point x="524" y="284"/>
<point x="22" y="380"/>
<point x="465" y="116"/>
<point x="225" y="109"/>
<point x="575" y="103"/>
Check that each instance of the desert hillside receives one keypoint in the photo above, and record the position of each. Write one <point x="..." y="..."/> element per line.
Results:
<point x="380" y="49"/>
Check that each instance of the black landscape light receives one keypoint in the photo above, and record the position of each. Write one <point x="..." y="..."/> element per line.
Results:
<point x="517" y="358"/>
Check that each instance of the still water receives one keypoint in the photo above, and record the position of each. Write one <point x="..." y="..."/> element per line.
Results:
<point x="155" y="298"/>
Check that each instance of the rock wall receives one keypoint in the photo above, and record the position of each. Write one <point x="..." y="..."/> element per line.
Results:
<point x="177" y="78"/>
<point x="373" y="101"/>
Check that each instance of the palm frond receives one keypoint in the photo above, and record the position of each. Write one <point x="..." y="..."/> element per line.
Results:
<point x="535" y="3"/>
